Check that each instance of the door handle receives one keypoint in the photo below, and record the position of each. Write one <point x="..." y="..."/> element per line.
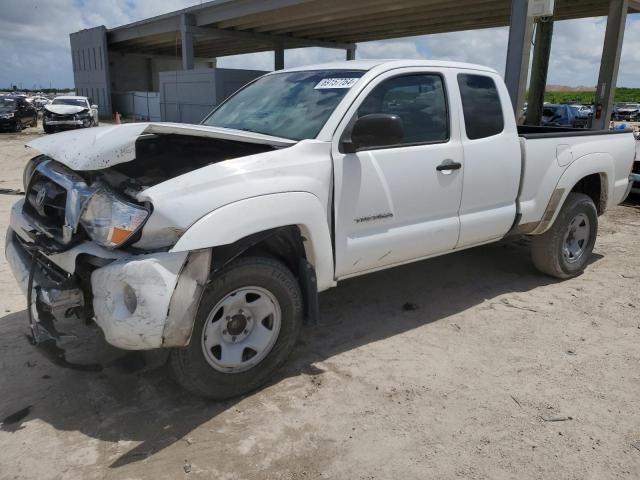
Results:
<point x="448" y="165"/>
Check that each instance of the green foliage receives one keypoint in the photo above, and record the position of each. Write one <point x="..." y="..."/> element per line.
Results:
<point x="622" y="95"/>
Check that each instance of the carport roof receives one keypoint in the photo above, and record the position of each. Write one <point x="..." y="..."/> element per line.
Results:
<point x="230" y="27"/>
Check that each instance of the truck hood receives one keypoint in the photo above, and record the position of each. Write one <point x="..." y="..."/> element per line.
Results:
<point x="104" y="147"/>
<point x="64" y="109"/>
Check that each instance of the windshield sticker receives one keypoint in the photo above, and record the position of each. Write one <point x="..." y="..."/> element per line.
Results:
<point x="335" y="83"/>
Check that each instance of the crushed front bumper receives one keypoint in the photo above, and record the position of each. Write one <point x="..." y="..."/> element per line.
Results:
<point x="139" y="301"/>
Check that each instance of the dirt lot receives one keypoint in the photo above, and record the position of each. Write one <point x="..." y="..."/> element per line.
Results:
<point x="470" y="365"/>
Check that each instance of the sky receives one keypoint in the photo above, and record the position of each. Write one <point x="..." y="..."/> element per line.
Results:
<point x="34" y="43"/>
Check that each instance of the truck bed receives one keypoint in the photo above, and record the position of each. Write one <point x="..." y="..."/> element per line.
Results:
<point x="548" y="154"/>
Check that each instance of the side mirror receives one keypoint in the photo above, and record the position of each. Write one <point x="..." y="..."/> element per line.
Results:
<point x="374" y="130"/>
<point x="95" y="107"/>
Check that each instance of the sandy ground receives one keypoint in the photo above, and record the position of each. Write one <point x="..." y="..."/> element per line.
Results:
<point x="455" y="367"/>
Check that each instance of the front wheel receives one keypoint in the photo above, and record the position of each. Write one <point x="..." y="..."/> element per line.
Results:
<point x="564" y="250"/>
<point x="247" y="324"/>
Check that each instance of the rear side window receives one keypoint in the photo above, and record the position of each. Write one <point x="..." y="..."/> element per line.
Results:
<point x="481" y="106"/>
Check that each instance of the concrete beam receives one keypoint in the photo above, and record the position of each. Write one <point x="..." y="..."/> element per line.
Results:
<point x="278" y="58"/>
<point x="221" y="11"/>
<point x="539" y="71"/>
<point x="518" y="53"/>
<point x="610" y="63"/>
<point x="351" y="53"/>
<point x="186" y="35"/>
<point x="286" y="40"/>
<point x="137" y="32"/>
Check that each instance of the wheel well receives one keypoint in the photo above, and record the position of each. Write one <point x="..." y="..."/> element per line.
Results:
<point x="285" y="244"/>
<point x="594" y="186"/>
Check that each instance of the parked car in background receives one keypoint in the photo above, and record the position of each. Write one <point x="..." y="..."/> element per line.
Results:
<point x="40" y="102"/>
<point x="65" y="113"/>
<point x="627" y="112"/>
<point x="564" y="115"/>
<point x="16" y="113"/>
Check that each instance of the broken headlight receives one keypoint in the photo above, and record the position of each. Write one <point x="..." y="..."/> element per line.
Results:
<point x="29" y="169"/>
<point x="111" y="221"/>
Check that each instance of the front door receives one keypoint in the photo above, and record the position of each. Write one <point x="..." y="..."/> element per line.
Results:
<point x="399" y="203"/>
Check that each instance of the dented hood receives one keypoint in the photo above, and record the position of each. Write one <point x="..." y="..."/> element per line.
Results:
<point x="64" y="109"/>
<point x="103" y="147"/>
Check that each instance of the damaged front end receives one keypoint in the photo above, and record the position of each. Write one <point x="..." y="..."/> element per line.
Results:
<point x="140" y="301"/>
<point x="77" y="248"/>
<point x="86" y="243"/>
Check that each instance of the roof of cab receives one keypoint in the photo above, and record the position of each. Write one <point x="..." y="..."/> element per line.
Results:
<point x="388" y="65"/>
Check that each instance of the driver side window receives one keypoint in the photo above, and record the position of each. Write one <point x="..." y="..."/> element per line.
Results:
<point x="420" y="102"/>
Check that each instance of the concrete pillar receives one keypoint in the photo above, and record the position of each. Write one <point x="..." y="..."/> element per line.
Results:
<point x="278" y="58"/>
<point x="351" y="53"/>
<point x="539" y="71"/>
<point x="609" y="64"/>
<point x="518" y="52"/>
<point x="186" y="22"/>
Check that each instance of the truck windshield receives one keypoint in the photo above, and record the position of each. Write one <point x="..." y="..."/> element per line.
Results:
<point x="288" y="105"/>
<point x="77" y="102"/>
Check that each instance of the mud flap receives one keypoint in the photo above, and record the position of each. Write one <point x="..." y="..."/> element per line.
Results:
<point x="309" y="286"/>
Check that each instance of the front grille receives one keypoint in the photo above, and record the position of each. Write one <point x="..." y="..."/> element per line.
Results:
<point x="47" y="200"/>
<point x="55" y="116"/>
<point x="53" y="201"/>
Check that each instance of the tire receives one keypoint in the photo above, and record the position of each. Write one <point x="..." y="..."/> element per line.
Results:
<point x="564" y="250"/>
<point x="35" y="121"/>
<point x="204" y="373"/>
<point x="18" y="126"/>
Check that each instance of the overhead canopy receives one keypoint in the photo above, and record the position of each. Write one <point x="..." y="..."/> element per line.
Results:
<point x="231" y="27"/>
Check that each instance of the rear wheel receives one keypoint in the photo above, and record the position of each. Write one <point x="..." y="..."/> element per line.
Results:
<point x="247" y="323"/>
<point x="564" y="250"/>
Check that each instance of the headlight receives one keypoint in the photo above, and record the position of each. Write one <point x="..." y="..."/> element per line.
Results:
<point x="110" y="221"/>
<point x="29" y="169"/>
<point x="7" y="115"/>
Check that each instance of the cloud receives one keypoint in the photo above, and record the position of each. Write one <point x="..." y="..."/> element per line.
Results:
<point x="34" y="34"/>
<point x="34" y="43"/>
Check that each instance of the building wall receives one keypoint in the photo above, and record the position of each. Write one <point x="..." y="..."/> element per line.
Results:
<point x="187" y="96"/>
<point x="91" y="67"/>
<point x="139" y="72"/>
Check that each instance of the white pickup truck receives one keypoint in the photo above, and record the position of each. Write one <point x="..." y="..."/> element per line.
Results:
<point x="215" y="239"/>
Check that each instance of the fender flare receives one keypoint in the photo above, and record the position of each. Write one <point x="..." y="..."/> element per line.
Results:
<point x="240" y="219"/>
<point x="594" y="163"/>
